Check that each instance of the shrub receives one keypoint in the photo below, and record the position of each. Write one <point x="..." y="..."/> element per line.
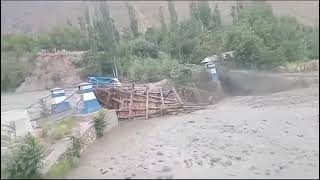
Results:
<point x="187" y="73"/>
<point x="57" y="130"/>
<point x="61" y="169"/>
<point x="100" y="123"/>
<point x="149" y="69"/>
<point x="44" y="109"/>
<point x="143" y="48"/>
<point x="25" y="160"/>
<point x="76" y="147"/>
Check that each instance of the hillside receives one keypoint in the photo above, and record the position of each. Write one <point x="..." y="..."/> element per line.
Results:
<point x="47" y="75"/>
<point x="34" y="16"/>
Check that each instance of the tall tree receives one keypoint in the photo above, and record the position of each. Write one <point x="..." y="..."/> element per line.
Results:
<point x="233" y="14"/>
<point x="104" y="37"/>
<point x="239" y="6"/>
<point x="105" y="29"/>
<point x="204" y="13"/>
<point x="162" y="21"/>
<point x="194" y="10"/>
<point x="216" y="17"/>
<point x="173" y="13"/>
<point x="133" y="20"/>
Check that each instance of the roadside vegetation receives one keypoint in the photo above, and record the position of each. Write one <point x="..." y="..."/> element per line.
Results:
<point x="62" y="168"/>
<point x="100" y="123"/>
<point x="54" y="131"/>
<point x="260" y="39"/>
<point x="25" y="159"/>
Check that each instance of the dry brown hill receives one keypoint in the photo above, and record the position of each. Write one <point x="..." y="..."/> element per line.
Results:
<point x="37" y="16"/>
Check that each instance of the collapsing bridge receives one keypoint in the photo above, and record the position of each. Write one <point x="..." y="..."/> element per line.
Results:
<point x="133" y="101"/>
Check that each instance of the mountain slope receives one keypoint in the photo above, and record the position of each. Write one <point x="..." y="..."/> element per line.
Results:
<point x="39" y="16"/>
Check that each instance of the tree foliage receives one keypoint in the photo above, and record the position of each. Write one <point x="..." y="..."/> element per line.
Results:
<point x="259" y="38"/>
<point x="216" y="17"/>
<point x="26" y="160"/>
<point x="162" y="21"/>
<point x="100" y="123"/>
<point x="133" y="20"/>
<point x="204" y="11"/>
<point x="173" y="13"/>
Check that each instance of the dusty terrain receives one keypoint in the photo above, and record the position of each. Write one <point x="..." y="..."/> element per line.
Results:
<point x="271" y="136"/>
<point x="40" y="16"/>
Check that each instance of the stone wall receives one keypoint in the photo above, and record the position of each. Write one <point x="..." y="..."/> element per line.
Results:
<point x="86" y="133"/>
<point x="87" y="136"/>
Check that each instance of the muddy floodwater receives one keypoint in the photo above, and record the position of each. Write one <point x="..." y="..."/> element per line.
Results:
<point x="270" y="136"/>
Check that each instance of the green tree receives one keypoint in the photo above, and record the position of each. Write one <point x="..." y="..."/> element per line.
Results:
<point x="248" y="46"/>
<point x="173" y="13"/>
<point x="162" y="21"/>
<point x="312" y="40"/>
<point x="100" y="123"/>
<point x="216" y="18"/>
<point x="104" y="41"/>
<point x="233" y="14"/>
<point x="143" y="48"/>
<point x="26" y="159"/>
<point x="204" y="13"/>
<point x="194" y="12"/>
<point x="133" y="20"/>
<point x="239" y="6"/>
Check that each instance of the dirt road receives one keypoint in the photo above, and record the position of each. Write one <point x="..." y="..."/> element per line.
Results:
<point x="271" y="136"/>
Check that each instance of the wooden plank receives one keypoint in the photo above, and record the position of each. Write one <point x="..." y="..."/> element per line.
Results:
<point x="138" y="100"/>
<point x="117" y="100"/>
<point x="162" y="101"/>
<point x="156" y="97"/>
<point x="147" y="102"/>
<point x="177" y="96"/>
<point x="131" y="102"/>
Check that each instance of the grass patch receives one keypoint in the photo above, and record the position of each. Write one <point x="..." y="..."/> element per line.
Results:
<point x="61" y="169"/>
<point x="295" y="66"/>
<point x="57" y="130"/>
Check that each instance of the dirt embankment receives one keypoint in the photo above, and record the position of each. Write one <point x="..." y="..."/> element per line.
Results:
<point x="52" y="70"/>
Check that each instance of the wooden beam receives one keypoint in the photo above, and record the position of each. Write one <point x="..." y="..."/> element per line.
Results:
<point x="117" y="100"/>
<point x="177" y="96"/>
<point x="147" y="102"/>
<point x="131" y="101"/>
<point x="157" y="97"/>
<point x="162" y="101"/>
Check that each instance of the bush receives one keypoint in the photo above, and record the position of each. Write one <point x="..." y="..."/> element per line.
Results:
<point x="76" y="147"/>
<point x="61" y="169"/>
<point x="64" y="167"/>
<point x="149" y="69"/>
<point x="26" y="160"/>
<point x="143" y="48"/>
<point x="44" y="109"/>
<point x="185" y="74"/>
<point x="57" y="130"/>
<point x="100" y="123"/>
